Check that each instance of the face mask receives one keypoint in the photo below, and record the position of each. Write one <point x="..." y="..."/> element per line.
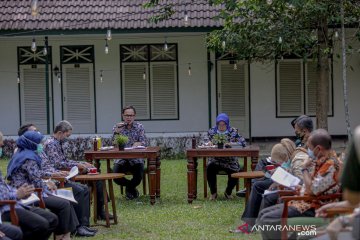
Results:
<point x="222" y="132"/>
<point x="299" y="136"/>
<point x="311" y="153"/>
<point x="286" y="165"/>
<point x="40" y="148"/>
<point x="1" y="152"/>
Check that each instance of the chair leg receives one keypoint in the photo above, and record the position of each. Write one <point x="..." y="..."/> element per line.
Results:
<point x="237" y="186"/>
<point x="122" y="190"/>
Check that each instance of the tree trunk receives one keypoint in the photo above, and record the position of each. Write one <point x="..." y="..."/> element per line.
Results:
<point x="322" y="86"/>
<point x="344" y="78"/>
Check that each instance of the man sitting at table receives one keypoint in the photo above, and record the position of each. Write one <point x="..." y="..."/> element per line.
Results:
<point x="228" y="164"/>
<point x="136" y="134"/>
<point x="56" y="158"/>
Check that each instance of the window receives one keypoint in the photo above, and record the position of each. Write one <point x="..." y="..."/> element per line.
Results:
<point x="296" y="88"/>
<point x="149" y="80"/>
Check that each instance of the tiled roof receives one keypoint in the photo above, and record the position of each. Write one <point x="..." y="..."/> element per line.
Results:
<point x="15" y="15"/>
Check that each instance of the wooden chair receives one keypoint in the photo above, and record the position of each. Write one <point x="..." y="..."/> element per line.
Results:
<point x="287" y="199"/>
<point x="13" y="216"/>
<point x="39" y="193"/>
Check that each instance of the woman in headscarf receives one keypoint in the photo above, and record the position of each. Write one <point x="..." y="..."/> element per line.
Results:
<point x="228" y="164"/>
<point x="25" y="168"/>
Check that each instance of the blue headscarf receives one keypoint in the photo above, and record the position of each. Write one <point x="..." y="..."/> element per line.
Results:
<point x="27" y="146"/>
<point x="225" y="118"/>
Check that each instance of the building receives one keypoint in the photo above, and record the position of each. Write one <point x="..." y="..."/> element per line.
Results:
<point x="164" y="70"/>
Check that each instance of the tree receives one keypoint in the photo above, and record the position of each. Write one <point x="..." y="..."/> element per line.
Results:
<point x="261" y="30"/>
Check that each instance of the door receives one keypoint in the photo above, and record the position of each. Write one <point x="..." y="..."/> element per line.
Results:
<point x="78" y="97"/>
<point x="233" y="95"/>
<point x="33" y="93"/>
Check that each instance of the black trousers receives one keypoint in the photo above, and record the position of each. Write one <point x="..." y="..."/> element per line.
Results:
<point x="11" y="232"/>
<point x="269" y="200"/>
<point x="136" y="169"/>
<point x="65" y="212"/>
<point x="272" y="216"/>
<point x="253" y="205"/>
<point x="212" y="170"/>
<point x="82" y="196"/>
<point x="35" y="223"/>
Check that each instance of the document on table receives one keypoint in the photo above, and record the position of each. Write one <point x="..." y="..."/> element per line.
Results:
<point x="65" y="193"/>
<point x="30" y="200"/>
<point x="267" y="192"/>
<point x="284" y="178"/>
<point x="73" y="172"/>
<point x="137" y="147"/>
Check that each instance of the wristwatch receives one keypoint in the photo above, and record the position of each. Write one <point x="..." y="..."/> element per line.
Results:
<point x="304" y="169"/>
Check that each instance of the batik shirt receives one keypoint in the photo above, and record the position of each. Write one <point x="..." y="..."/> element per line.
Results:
<point x="324" y="181"/>
<point x="135" y="134"/>
<point x="29" y="173"/>
<point x="56" y="157"/>
<point x="47" y="168"/>
<point x="7" y="193"/>
<point x="232" y="136"/>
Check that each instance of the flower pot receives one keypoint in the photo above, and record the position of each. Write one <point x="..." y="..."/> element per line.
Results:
<point x="121" y="147"/>
<point x="220" y="145"/>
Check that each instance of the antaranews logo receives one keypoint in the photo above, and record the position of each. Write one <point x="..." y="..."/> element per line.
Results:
<point x="302" y="230"/>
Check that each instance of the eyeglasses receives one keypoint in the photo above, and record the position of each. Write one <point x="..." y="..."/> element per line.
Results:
<point x="129" y="115"/>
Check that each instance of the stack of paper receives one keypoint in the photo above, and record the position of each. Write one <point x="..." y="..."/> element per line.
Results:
<point x="65" y="193"/>
<point x="284" y="178"/>
<point x="30" y="200"/>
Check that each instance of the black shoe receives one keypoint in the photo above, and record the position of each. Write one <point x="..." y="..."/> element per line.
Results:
<point x="102" y="216"/>
<point x="82" y="232"/>
<point x="129" y="195"/>
<point x="136" y="193"/>
<point x="241" y="193"/>
<point x="94" y="230"/>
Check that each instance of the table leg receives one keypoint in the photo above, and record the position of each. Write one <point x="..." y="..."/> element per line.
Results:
<point x="108" y="166"/>
<point x="248" y="188"/>
<point x="152" y="179"/>
<point x="158" y="175"/>
<point x="97" y="164"/>
<point x="106" y="204"/>
<point x="111" y="190"/>
<point x="191" y="178"/>
<point x="93" y="183"/>
<point x="205" y="177"/>
<point x="245" y="164"/>
<point x="196" y="177"/>
<point x="254" y="161"/>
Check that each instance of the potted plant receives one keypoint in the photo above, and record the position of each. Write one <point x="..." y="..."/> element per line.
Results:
<point x="120" y="141"/>
<point x="220" y="140"/>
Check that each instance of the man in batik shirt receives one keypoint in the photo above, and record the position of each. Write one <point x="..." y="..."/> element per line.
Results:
<point x="320" y="177"/>
<point x="136" y="134"/>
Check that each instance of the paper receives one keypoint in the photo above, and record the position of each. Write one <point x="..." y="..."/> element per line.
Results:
<point x="137" y="147"/>
<point x="267" y="192"/>
<point x="73" y="172"/>
<point x="284" y="178"/>
<point x="30" y="200"/>
<point x="65" y="193"/>
<point x="106" y="148"/>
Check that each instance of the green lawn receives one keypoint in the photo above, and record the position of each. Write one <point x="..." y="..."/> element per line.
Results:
<point x="172" y="217"/>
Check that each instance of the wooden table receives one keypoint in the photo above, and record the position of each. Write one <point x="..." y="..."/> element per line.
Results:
<point x="152" y="154"/>
<point x="192" y="155"/>
<point x="248" y="176"/>
<point x="92" y="179"/>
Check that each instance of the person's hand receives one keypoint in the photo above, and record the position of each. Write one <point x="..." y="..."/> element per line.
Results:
<point x="60" y="174"/>
<point x="307" y="163"/>
<point x="51" y="185"/>
<point x="334" y="228"/>
<point x="82" y="168"/>
<point x="2" y="234"/>
<point x="136" y="144"/>
<point x="320" y="212"/>
<point x="119" y="126"/>
<point x="273" y="186"/>
<point x="87" y="165"/>
<point x="24" y="191"/>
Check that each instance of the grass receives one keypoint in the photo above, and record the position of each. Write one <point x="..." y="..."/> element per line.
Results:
<point x="172" y="217"/>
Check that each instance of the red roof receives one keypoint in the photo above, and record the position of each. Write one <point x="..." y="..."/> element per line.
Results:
<point x="101" y="14"/>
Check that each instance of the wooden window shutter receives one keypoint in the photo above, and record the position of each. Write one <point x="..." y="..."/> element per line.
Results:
<point x="136" y="88"/>
<point x="164" y="92"/>
<point x="33" y="97"/>
<point x="232" y="89"/>
<point x="290" y="88"/>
